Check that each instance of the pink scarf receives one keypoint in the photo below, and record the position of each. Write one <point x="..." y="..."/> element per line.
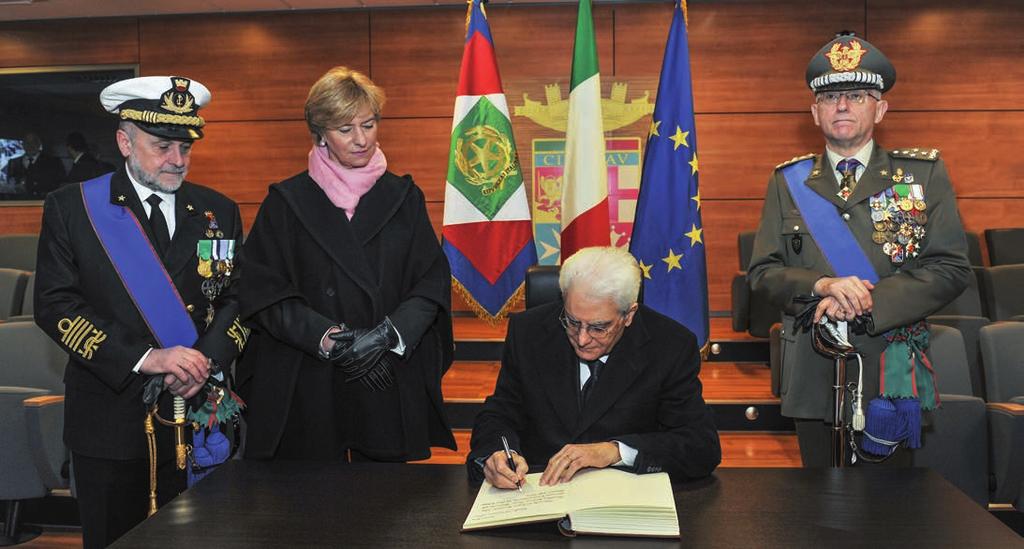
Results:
<point x="345" y="186"/>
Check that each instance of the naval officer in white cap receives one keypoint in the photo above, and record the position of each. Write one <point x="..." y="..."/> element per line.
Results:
<point x="134" y="281"/>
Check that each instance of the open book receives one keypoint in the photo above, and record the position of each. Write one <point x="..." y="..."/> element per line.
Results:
<point x="595" y="501"/>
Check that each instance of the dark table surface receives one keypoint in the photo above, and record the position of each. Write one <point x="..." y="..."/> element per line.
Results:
<point x="296" y="504"/>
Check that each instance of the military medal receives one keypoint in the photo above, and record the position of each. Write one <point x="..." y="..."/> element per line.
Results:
<point x="204" y="251"/>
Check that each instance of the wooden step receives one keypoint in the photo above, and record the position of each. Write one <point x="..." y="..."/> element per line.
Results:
<point x="738" y="450"/>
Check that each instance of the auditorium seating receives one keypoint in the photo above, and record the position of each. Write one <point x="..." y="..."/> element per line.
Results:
<point x="956" y="442"/>
<point x="1003" y="291"/>
<point x="12" y="292"/>
<point x="18" y="251"/>
<point x="1001" y="346"/>
<point x="1005" y="246"/>
<point x="32" y="452"/>
<point x="750" y="313"/>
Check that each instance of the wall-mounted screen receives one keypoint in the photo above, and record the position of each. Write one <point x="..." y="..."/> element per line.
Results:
<point x="53" y="131"/>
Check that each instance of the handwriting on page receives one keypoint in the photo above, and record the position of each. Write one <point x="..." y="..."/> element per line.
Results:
<point x="508" y="503"/>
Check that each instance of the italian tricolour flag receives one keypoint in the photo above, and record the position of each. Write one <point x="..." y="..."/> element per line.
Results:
<point x="585" y="184"/>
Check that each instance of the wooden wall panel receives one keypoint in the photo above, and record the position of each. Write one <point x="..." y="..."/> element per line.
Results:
<point x="747" y="56"/>
<point x="240" y="159"/>
<point x="258" y="67"/>
<point x="952" y="55"/>
<point x="738" y="152"/>
<point x="69" y="42"/>
<point x="20" y="218"/>
<point x="417" y="54"/>
<point x="418" y="146"/>
<point x="982" y="150"/>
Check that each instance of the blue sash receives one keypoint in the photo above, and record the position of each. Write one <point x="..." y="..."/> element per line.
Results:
<point x="139" y="267"/>
<point x="830" y="232"/>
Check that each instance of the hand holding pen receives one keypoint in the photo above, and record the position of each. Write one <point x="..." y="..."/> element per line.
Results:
<point x="511" y="461"/>
<point x="504" y="468"/>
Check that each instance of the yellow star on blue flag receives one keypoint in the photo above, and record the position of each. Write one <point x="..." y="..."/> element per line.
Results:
<point x="668" y="208"/>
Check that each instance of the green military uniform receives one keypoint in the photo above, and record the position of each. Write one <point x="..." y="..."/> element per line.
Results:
<point x="901" y="212"/>
<point x="905" y="293"/>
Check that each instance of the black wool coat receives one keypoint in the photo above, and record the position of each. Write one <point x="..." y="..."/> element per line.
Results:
<point x="310" y="268"/>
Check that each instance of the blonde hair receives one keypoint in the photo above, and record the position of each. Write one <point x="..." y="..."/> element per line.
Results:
<point x="606" y="272"/>
<point x="336" y="97"/>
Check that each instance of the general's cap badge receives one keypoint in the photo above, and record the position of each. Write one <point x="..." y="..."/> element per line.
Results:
<point x="178" y="99"/>
<point x="845" y="58"/>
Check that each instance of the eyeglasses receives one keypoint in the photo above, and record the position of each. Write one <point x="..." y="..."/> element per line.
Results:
<point x="596" y="331"/>
<point x="853" y="96"/>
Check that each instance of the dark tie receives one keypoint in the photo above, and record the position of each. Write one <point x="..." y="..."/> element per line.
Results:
<point x="847" y="167"/>
<point x="158" y="224"/>
<point x="595" y="367"/>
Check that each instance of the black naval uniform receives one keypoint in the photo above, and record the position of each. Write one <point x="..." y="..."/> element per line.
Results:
<point x="104" y="414"/>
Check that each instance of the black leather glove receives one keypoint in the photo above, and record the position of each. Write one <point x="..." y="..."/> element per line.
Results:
<point x="861" y="324"/>
<point x="342" y="341"/>
<point x="365" y="359"/>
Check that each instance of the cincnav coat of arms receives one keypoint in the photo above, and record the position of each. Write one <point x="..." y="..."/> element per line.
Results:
<point x="622" y="156"/>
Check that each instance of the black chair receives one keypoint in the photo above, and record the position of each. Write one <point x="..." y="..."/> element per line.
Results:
<point x="974" y="250"/>
<point x="1005" y="246"/>
<point x="542" y="286"/>
<point x="18" y="251"/>
<point x="1002" y="289"/>
<point x="956" y="442"/>
<point x="1001" y="346"/>
<point x="12" y="292"/>
<point x="750" y="313"/>
<point x="32" y="451"/>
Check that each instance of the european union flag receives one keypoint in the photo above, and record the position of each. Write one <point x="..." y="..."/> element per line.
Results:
<point x="668" y="238"/>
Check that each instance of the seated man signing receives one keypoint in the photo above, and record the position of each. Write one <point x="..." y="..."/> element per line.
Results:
<point x="596" y="380"/>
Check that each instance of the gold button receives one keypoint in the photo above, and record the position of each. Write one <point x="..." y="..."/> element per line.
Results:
<point x="796" y="227"/>
<point x="846" y="216"/>
<point x="190" y="307"/>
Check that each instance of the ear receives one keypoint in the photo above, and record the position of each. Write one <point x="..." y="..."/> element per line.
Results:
<point x="631" y="313"/>
<point x="124" y="143"/>
<point x="814" y="114"/>
<point x="880" y="109"/>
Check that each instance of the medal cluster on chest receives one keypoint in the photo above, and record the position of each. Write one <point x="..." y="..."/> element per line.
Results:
<point x="899" y="215"/>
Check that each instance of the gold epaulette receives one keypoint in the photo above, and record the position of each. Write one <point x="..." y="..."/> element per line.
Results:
<point x="916" y="154"/>
<point x="794" y="160"/>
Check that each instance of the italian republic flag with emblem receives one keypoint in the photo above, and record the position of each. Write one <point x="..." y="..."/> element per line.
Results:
<point x="487" y="233"/>
<point x="585" y="187"/>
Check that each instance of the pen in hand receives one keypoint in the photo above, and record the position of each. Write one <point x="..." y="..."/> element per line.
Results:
<point x="511" y="462"/>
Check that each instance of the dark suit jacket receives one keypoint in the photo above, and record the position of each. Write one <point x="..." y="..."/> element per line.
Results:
<point x="86" y="168"/>
<point x="41" y="177"/>
<point x="103" y="410"/>
<point x="647" y="396"/>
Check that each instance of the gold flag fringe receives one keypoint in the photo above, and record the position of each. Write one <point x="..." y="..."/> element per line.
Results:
<point x="482" y="313"/>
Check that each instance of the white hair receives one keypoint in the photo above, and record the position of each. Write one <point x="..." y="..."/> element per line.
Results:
<point x="605" y="272"/>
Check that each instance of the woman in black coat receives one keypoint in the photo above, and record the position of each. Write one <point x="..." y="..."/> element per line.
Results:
<point x="349" y="296"/>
